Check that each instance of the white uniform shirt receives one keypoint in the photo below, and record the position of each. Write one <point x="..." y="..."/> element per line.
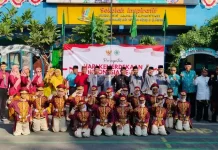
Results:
<point x="203" y="90"/>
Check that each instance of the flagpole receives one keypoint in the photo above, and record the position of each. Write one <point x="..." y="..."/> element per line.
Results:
<point x="111" y="24"/>
<point x="92" y="38"/>
<point x="164" y="47"/>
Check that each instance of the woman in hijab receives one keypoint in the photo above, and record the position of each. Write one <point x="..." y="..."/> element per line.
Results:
<point x="37" y="79"/>
<point x="47" y="79"/>
<point x="57" y="79"/>
<point x="25" y="79"/>
<point x="14" y="88"/>
<point x="14" y="81"/>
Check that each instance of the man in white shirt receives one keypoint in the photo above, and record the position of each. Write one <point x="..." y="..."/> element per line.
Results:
<point x="203" y="94"/>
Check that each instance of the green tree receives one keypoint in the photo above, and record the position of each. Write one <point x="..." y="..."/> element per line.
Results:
<point x="12" y="25"/>
<point x="83" y="33"/>
<point x="201" y="37"/>
<point x="42" y="36"/>
<point x="213" y="24"/>
<point x="148" y="40"/>
<point x="39" y="36"/>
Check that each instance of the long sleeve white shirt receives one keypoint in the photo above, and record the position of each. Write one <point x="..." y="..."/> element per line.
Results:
<point x="203" y="90"/>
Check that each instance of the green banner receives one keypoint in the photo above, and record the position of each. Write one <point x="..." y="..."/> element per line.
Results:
<point x="56" y="58"/>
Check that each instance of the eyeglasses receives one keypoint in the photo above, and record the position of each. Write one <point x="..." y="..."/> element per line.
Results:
<point x="39" y="71"/>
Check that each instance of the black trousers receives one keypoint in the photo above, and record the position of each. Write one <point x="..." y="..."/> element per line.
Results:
<point x="72" y="90"/>
<point x="191" y="97"/>
<point x="3" y="99"/>
<point x="202" y="106"/>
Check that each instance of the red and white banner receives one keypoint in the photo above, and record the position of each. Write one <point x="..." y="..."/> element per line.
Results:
<point x="209" y="3"/>
<point x="2" y="2"/>
<point x="35" y="2"/>
<point x="17" y="3"/>
<point x="115" y="55"/>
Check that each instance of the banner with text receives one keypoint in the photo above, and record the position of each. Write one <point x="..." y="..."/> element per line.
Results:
<point x="164" y="2"/>
<point x="115" y="55"/>
<point x="122" y="15"/>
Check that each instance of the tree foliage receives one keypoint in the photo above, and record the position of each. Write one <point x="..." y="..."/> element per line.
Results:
<point x="197" y="37"/>
<point x="13" y="25"/>
<point x="32" y="33"/>
<point x="42" y="36"/>
<point x="148" y="40"/>
<point x="213" y="24"/>
<point x="82" y="34"/>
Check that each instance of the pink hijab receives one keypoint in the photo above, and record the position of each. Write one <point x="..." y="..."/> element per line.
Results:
<point x="38" y="74"/>
<point x="25" y="75"/>
<point x="15" y="73"/>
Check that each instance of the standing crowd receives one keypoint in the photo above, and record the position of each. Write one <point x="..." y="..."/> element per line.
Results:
<point x="106" y="104"/>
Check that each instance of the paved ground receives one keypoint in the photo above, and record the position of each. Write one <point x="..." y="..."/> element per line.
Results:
<point x="203" y="136"/>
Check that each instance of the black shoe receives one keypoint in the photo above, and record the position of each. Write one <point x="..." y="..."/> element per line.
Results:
<point x="3" y="119"/>
<point x="212" y="121"/>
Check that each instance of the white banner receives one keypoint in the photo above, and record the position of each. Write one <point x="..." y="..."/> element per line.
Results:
<point x="115" y="55"/>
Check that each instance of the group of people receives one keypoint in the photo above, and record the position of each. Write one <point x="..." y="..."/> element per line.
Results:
<point x="120" y="104"/>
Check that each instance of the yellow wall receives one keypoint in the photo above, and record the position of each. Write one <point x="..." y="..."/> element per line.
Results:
<point x="122" y="14"/>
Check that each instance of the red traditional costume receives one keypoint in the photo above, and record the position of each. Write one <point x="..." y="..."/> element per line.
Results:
<point x="40" y="111"/>
<point x="122" y="92"/>
<point x="134" y="99"/>
<point x="92" y="101"/>
<point x="58" y="110"/>
<point x="110" y="98"/>
<point x="22" y="114"/>
<point x="82" y="117"/>
<point x="159" y="117"/>
<point x="76" y="96"/>
<point x="183" y="111"/>
<point x="170" y="105"/>
<point x="104" y="117"/>
<point x="122" y="114"/>
<point x="142" y="117"/>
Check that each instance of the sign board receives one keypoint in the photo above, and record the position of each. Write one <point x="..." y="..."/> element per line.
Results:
<point x="122" y="15"/>
<point x="115" y="55"/>
<point x="199" y="50"/>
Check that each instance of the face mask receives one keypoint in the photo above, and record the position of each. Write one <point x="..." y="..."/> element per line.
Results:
<point x="142" y="104"/>
<point x="183" y="98"/>
<point x="84" y="108"/>
<point x="124" y="104"/>
<point x="137" y="94"/>
<point x="79" y="94"/>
